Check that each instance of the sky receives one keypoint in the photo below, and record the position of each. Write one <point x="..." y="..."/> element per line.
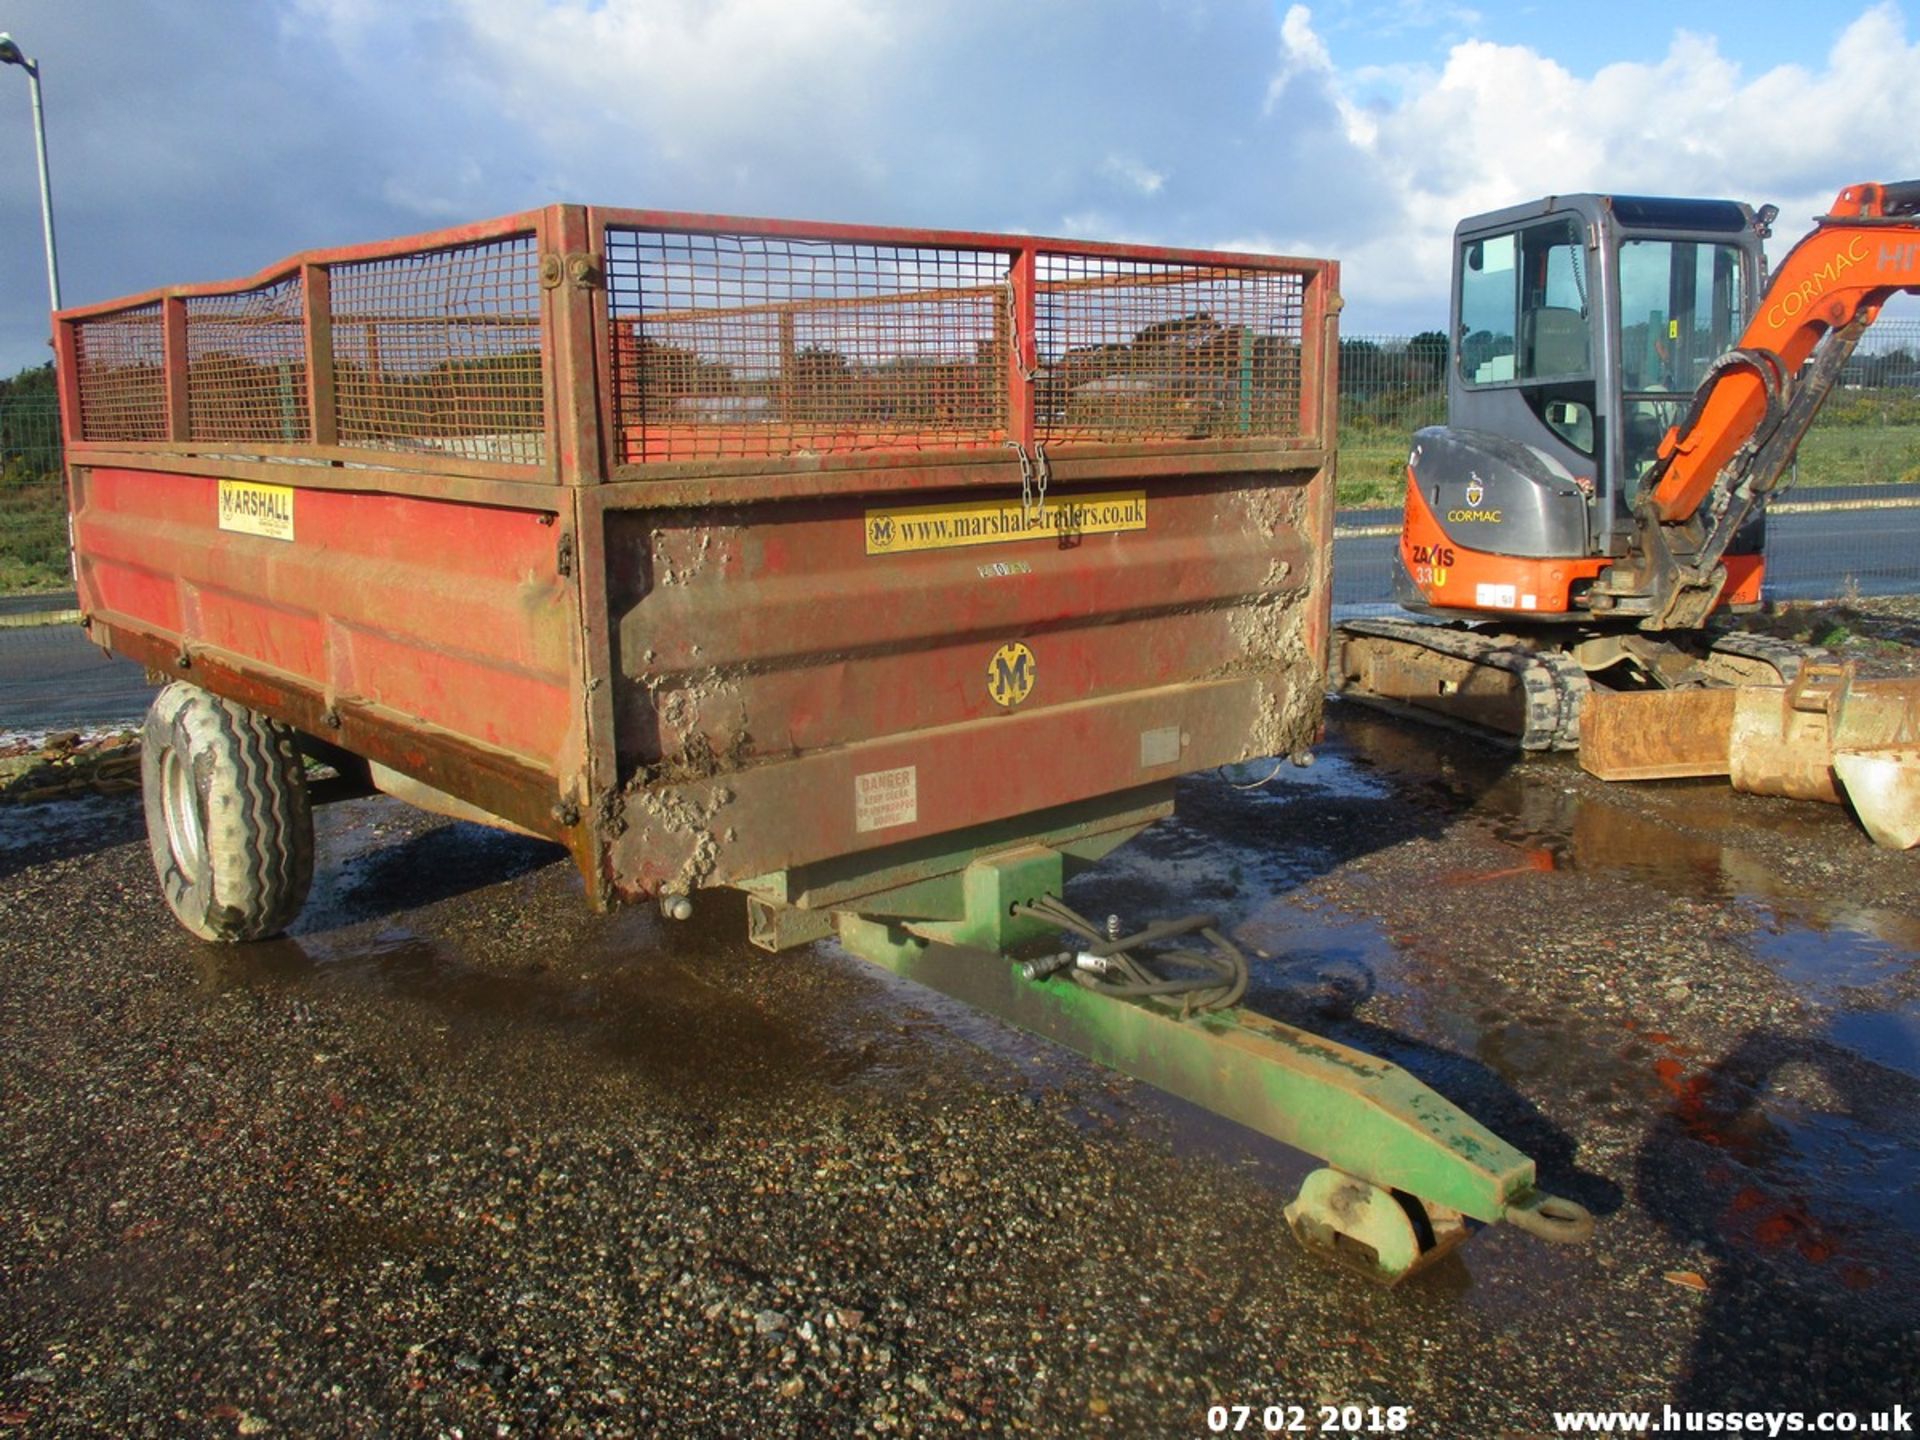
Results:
<point x="199" y="140"/>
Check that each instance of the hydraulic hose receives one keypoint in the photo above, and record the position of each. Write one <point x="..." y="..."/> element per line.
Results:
<point x="1108" y="965"/>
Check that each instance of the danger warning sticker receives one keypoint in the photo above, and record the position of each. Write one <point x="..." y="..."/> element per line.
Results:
<point x="885" y="798"/>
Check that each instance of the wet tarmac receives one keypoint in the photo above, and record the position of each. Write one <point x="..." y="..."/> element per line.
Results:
<point x="459" y="1156"/>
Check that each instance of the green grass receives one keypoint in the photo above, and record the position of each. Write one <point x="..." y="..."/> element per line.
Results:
<point x="33" y="534"/>
<point x="1860" y="455"/>
<point x="1373" y="471"/>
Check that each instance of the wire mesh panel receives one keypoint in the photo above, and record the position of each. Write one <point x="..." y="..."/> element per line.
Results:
<point x="33" y="505"/>
<point x="123" y="384"/>
<point x="1145" y="350"/>
<point x="744" y="345"/>
<point x="440" y="350"/>
<point x="246" y="365"/>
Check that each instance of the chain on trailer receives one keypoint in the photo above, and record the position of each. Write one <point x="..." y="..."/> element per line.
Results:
<point x="1034" y="475"/>
<point x="1034" y="470"/>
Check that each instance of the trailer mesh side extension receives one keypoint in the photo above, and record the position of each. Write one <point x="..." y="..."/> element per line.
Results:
<point x="745" y="345"/>
<point x="121" y="359"/>
<point x="440" y="350"/>
<point x="1150" y="350"/>
<point x="247" y="365"/>
<point x="718" y="339"/>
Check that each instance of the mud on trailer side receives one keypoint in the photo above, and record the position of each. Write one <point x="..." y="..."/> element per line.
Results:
<point x="889" y="576"/>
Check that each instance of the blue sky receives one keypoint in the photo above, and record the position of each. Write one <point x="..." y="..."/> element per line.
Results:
<point x="197" y="141"/>
<point x="1396" y="32"/>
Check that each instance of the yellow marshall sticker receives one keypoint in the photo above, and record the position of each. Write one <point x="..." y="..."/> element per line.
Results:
<point x="1010" y="674"/>
<point x="255" y="509"/>
<point x="900" y="529"/>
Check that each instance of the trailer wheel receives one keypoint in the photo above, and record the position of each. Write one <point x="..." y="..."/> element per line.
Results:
<point x="227" y="815"/>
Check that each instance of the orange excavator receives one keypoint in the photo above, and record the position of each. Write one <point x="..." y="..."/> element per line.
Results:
<point x="1626" y="392"/>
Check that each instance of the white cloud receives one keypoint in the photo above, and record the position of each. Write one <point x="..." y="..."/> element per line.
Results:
<point x="613" y="88"/>
<point x="1134" y="175"/>
<point x="1499" y="124"/>
<point x="687" y="73"/>
<point x="1302" y="52"/>
<point x="1304" y="56"/>
<point x="301" y="123"/>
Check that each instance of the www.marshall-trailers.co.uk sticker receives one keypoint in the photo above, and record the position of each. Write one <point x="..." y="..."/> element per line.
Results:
<point x="902" y="529"/>
<point x="251" y="508"/>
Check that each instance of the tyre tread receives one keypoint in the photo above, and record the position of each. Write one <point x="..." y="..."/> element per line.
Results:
<point x="257" y="827"/>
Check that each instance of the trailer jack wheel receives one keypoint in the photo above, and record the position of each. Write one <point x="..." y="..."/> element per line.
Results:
<point x="1385" y="1235"/>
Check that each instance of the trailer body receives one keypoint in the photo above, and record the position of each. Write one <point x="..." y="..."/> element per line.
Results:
<point x="699" y="545"/>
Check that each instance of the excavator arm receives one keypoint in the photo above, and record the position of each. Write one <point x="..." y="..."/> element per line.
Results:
<point x="1749" y="414"/>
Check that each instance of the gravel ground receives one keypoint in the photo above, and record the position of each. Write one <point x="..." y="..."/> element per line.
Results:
<point x="460" y="1158"/>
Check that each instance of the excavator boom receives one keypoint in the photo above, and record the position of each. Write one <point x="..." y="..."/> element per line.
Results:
<point x="1716" y="468"/>
<point x="1860" y="254"/>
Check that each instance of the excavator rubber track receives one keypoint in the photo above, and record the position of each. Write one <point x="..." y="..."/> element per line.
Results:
<point x="1514" y="688"/>
<point x="1478" y="680"/>
<point x="1773" y="661"/>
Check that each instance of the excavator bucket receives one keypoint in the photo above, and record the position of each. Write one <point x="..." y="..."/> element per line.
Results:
<point x="1832" y="736"/>
<point x="1656" y="734"/>
<point x="1782" y="736"/>
<point x="1884" y="786"/>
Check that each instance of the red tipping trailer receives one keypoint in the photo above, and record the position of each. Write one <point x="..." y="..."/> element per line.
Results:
<point x="888" y="575"/>
<point x="694" y="543"/>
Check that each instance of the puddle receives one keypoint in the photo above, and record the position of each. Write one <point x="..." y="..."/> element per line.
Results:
<point x="1793" y="1150"/>
<point x="519" y="966"/>
<point x="1806" y="1164"/>
<point x="1859" y="977"/>
<point x="1891" y="1040"/>
<point x="62" y="829"/>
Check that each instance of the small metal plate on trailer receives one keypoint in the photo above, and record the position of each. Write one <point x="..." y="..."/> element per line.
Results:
<point x="251" y="508"/>
<point x="1011" y="674"/>
<point x="1159" y="747"/>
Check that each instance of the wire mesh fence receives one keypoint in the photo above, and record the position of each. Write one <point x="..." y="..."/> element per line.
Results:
<point x="1852" y="524"/>
<point x="33" y="507"/>
<point x="441" y="351"/>
<point x="744" y="345"/>
<point x="1867" y="433"/>
<point x="1849" y="524"/>
<point x="753" y="345"/>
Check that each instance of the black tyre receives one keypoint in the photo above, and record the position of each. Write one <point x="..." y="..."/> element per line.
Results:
<point x="227" y="815"/>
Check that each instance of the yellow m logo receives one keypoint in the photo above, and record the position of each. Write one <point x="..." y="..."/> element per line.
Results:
<point x="1010" y="674"/>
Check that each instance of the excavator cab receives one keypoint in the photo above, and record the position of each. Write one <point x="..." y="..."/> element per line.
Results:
<point x="1582" y="325"/>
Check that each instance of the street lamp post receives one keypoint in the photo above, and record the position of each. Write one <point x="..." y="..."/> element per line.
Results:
<point x="11" y="54"/>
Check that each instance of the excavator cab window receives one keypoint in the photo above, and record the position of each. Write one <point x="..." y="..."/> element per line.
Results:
<point x="1681" y="305"/>
<point x="1525" y="320"/>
